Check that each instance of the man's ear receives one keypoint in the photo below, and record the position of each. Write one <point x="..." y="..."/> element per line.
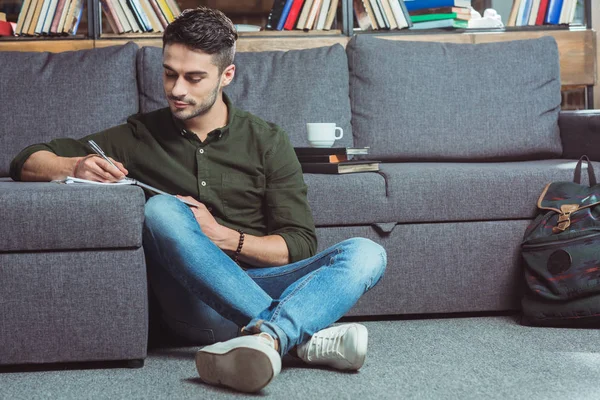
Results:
<point x="227" y="75"/>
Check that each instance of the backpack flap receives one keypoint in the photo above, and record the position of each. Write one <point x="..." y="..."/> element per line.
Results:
<point x="568" y="199"/>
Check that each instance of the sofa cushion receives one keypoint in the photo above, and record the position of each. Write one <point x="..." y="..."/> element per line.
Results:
<point x="70" y="94"/>
<point x="350" y="199"/>
<point x="50" y="216"/>
<point x="440" y="192"/>
<point x="446" y="101"/>
<point x="288" y="88"/>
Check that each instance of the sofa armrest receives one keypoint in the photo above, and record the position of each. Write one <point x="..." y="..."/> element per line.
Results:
<point x="580" y="133"/>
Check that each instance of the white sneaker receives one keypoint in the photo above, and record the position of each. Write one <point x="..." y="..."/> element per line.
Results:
<point x="342" y="347"/>
<point x="245" y="363"/>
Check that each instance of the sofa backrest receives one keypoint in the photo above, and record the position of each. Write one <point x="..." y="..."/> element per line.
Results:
<point x="288" y="88"/>
<point x="72" y="94"/>
<point x="444" y="101"/>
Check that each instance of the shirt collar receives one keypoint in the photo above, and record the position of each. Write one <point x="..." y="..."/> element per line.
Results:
<point x="217" y="133"/>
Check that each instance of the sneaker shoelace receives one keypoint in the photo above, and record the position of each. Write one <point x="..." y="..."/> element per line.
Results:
<point x="326" y="347"/>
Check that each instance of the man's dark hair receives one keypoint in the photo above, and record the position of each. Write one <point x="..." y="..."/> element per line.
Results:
<point x="207" y="30"/>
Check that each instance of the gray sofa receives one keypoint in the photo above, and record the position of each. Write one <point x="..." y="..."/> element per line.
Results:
<point x="469" y="135"/>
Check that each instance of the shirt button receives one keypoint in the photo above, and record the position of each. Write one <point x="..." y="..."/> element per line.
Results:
<point x="203" y="183"/>
<point x="201" y="151"/>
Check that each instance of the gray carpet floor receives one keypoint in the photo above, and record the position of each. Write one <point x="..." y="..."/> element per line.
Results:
<point x="457" y="358"/>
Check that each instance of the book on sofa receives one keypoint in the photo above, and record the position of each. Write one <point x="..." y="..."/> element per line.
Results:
<point x="319" y="151"/>
<point x="344" y="167"/>
<point x="334" y="160"/>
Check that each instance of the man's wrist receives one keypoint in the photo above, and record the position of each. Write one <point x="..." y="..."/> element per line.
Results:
<point x="230" y="241"/>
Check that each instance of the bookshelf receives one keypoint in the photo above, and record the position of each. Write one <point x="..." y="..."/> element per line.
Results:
<point x="577" y="45"/>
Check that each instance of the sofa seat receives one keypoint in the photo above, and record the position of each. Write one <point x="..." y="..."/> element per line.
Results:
<point x="39" y="216"/>
<point x="347" y="199"/>
<point x="446" y="192"/>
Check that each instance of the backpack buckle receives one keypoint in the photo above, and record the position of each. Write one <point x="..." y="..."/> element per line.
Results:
<point x="564" y="219"/>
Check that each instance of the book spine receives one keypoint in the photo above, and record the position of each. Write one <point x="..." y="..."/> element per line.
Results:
<point x="166" y="10"/>
<point x="129" y="15"/>
<point x="52" y="14"/>
<point x="323" y="14"/>
<point x="159" y="14"/>
<point x="331" y="14"/>
<point x="304" y="14"/>
<point x="142" y="15"/>
<point x="398" y="14"/>
<point x="22" y="16"/>
<point x="41" y="17"/>
<point x="57" y="15"/>
<point x="421" y="4"/>
<point x="152" y="18"/>
<point x="275" y="14"/>
<point x="284" y="14"/>
<point x="293" y="15"/>
<point x="554" y="8"/>
<point x="542" y="12"/>
<point x="63" y="17"/>
<point x="406" y="14"/>
<point x="312" y="16"/>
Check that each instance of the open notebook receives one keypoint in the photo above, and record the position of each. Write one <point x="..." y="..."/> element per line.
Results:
<point x="124" y="181"/>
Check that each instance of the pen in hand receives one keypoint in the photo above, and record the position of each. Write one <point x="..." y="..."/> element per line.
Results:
<point x="100" y="152"/>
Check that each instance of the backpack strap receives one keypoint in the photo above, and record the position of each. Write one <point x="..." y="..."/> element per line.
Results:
<point x="590" y="168"/>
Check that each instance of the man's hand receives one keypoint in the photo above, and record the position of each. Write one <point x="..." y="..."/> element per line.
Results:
<point x="97" y="169"/>
<point x="220" y="235"/>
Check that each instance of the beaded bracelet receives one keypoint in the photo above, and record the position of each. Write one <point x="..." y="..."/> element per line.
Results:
<point x="240" y="245"/>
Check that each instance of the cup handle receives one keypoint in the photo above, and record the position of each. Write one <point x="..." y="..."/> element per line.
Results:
<point x="341" y="133"/>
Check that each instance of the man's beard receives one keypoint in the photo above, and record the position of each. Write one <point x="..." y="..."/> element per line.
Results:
<point x="197" y="110"/>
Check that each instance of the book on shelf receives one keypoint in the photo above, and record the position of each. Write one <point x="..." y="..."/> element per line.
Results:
<point x="441" y="23"/>
<point x="432" y="17"/>
<point x="542" y="12"/>
<point x="441" y="10"/>
<point x="322" y="16"/>
<point x="331" y="14"/>
<point x="422" y="4"/>
<point x="48" y="17"/>
<point x="293" y="16"/>
<point x="302" y="14"/>
<point x="344" y="167"/>
<point x="319" y="151"/>
<point x="275" y="14"/>
<point x="60" y="11"/>
<point x="381" y="14"/>
<point x="125" y="16"/>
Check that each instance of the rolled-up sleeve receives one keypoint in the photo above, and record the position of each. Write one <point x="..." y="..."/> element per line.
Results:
<point x="288" y="213"/>
<point x="109" y="140"/>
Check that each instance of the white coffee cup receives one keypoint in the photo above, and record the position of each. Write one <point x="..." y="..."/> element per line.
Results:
<point x="323" y="134"/>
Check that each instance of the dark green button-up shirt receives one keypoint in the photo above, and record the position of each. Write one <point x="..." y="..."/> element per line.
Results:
<point x="246" y="173"/>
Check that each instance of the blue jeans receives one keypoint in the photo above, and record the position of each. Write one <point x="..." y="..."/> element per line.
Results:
<point x="206" y="296"/>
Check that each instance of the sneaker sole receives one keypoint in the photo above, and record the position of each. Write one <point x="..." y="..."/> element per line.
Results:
<point x="361" y="346"/>
<point x="243" y="368"/>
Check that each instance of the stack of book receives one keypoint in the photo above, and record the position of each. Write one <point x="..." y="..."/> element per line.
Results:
<point x="432" y="14"/>
<point x="542" y="12"/>
<point x="49" y="17"/>
<point x="139" y="16"/>
<point x="302" y="14"/>
<point x="334" y="160"/>
<point x="60" y="17"/>
<point x="381" y="14"/>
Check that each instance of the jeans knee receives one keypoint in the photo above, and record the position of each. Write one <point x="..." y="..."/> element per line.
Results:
<point x="160" y="209"/>
<point x="369" y="259"/>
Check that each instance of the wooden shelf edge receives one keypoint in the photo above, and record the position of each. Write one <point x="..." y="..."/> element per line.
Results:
<point x="49" y="45"/>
